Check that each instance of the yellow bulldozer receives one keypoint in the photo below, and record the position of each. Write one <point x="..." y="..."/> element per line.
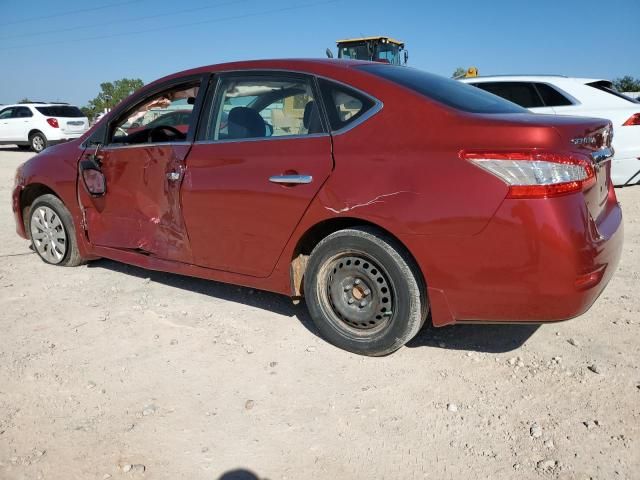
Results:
<point x="376" y="49"/>
<point x="380" y="49"/>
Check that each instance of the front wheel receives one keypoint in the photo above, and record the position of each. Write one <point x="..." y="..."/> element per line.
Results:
<point x="52" y="232"/>
<point x="364" y="292"/>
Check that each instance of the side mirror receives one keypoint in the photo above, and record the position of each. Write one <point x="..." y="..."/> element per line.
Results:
<point x="329" y="53"/>
<point x="406" y="57"/>
<point x="93" y="178"/>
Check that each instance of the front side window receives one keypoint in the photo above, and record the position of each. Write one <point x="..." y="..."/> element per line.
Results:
<point x="449" y="92"/>
<point x="264" y="106"/>
<point x="164" y="117"/>
<point x="7" y="113"/>
<point x="343" y="105"/>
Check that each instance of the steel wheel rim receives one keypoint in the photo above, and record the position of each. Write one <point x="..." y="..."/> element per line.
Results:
<point x="38" y="143"/>
<point x="48" y="235"/>
<point x="359" y="294"/>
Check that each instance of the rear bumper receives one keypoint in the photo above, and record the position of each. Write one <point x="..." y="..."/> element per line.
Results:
<point x="536" y="261"/>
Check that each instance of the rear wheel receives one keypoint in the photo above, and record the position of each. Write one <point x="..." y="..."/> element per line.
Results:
<point x="364" y="292"/>
<point x="38" y="142"/>
<point x="52" y="232"/>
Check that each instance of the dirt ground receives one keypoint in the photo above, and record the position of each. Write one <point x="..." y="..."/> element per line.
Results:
<point x="110" y="371"/>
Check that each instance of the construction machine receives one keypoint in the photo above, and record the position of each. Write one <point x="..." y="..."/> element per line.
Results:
<point x="376" y="49"/>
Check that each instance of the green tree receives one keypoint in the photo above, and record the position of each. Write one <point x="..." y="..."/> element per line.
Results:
<point x="25" y="100"/>
<point x="111" y="93"/>
<point x="459" y="72"/>
<point x="627" y="84"/>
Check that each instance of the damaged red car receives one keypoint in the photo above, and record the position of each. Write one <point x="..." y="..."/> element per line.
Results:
<point x="383" y="195"/>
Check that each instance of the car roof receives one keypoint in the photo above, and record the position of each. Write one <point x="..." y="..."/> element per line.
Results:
<point x="38" y="104"/>
<point x="309" y="65"/>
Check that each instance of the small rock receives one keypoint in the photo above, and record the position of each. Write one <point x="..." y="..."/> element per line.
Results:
<point x="149" y="410"/>
<point x="91" y="385"/>
<point x="442" y="345"/>
<point x="595" y="369"/>
<point x="173" y="342"/>
<point x="311" y="349"/>
<point x="146" y="280"/>
<point x="248" y="349"/>
<point x="512" y="361"/>
<point x="106" y="476"/>
<point x="274" y="364"/>
<point x="248" y="405"/>
<point x="452" y="407"/>
<point x="549" y="444"/>
<point x="138" y="468"/>
<point x="574" y="342"/>
<point x="126" y="468"/>
<point x="516" y="466"/>
<point x="204" y="449"/>
<point x="535" y="430"/>
<point x="590" y="424"/>
<point x="546" y="465"/>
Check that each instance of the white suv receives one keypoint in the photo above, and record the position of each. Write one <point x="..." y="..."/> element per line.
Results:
<point x="38" y="125"/>
<point x="582" y="97"/>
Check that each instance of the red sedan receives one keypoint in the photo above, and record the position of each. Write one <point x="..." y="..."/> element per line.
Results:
<point x="381" y="194"/>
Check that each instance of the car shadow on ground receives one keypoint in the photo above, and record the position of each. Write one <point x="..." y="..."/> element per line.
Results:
<point x="11" y="148"/>
<point x="479" y="338"/>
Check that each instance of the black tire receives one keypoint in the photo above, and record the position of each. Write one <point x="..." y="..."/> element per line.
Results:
<point x="24" y="147"/>
<point x="38" y="142"/>
<point x="336" y="287"/>
<point x="65" y="228"/>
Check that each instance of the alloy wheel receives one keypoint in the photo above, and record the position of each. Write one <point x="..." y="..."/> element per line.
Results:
<point x="48" y="235"/>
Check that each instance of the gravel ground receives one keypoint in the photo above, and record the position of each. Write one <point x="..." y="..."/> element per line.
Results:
<point x="110" y="371"/>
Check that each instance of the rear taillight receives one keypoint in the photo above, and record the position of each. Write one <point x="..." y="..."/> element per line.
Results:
<point x="536" y="174"/>
<point x="53" y="122"/>
<point x="632" y="120"/>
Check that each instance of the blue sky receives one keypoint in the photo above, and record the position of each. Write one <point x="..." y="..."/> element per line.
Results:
<point x="63" y="50"/>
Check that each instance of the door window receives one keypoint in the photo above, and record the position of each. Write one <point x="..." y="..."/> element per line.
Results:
<point x="264" y="106"/>
<point x="23" y="112"/>
<point x="7" y="113"/>
<point x="164" y="117"/>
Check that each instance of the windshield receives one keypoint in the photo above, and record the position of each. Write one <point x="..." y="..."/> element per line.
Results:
<point x="389" y="53"/>
<point x="444" y="90"/>
<point x="354" y="52"/>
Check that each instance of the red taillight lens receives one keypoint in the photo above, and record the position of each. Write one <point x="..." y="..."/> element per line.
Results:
<point x="632" y="120"/>
<point x="53" y="122"/>
<point x="536" y="174"/>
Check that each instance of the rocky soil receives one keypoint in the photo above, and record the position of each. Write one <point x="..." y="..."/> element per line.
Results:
<point x="109" y="371"/>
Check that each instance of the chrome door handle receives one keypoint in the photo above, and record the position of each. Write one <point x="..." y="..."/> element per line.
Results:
<point x="173" y="176"/>
<point x="291" y="179"/>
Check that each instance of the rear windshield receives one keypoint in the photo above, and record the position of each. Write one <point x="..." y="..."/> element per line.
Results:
<point x="444" y="90"/>
<point x="61" y="111"/>
<point x="608" y="87"/>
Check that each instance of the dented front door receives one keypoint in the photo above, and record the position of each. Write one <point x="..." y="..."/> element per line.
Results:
<point x="140" y="210"/>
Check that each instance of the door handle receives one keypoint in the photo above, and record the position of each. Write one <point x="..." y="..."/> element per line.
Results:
<point x="291" y="179"/>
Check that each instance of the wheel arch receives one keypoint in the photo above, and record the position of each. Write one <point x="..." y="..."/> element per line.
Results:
<point x="28" y="195"/>
<point x="313" y="235"/>
<point x="33" y="131"/>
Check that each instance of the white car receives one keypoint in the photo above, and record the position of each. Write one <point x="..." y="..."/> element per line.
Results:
<point x="584" y="97"/>
<point x="38" y="125"/>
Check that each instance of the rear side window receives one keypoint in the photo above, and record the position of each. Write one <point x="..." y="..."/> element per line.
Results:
<point x="61" y="111"/>
<point x="344" y="105"/>
<point x="551" y="96"/>
<point x="452" y="93"/>
<point x="520" y="93"/>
